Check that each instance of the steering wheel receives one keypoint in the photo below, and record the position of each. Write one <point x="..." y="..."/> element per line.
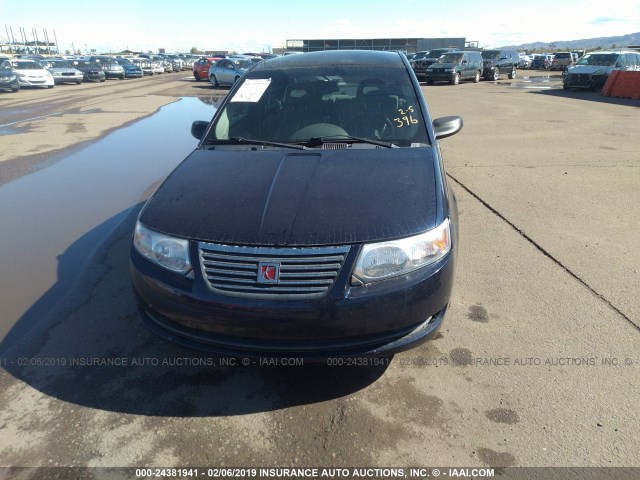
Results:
<point x="318" y="130"/>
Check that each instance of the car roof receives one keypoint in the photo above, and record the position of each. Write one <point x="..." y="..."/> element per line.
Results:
<point x="611" y="52"/>
<point x="334" y="58"/>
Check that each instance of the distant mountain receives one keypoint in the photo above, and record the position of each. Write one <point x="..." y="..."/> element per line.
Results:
<point x="585" y="43"/>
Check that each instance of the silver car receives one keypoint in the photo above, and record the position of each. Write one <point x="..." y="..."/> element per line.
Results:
<point x="63" y="71"/>
<point x="228" y="71"/>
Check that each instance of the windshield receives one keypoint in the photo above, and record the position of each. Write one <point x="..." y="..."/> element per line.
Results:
<point x="26" y="65"/>
<point x="60" y="64"/>
<point x="450" y="58"/>
<point x="243" y="63"/>
<point x="600" y="59"/>
<point x="420" y="55"/>
<point x="562" y="55"/>
<point x="437" y="53"/>
<point x="299" y="104"/>
<point x="490" y="54"/>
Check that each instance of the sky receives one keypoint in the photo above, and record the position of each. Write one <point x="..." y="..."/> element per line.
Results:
<point x="250" y="25"/>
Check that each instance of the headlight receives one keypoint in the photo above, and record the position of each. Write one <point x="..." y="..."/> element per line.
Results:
<point x="448" y="69"/>
<point x="379" y="261"/>
<point x="166" y="251"/>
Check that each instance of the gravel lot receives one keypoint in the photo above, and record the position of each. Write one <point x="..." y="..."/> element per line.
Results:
<point x="537" y="363"/>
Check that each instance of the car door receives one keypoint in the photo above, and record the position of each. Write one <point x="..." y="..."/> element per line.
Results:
<point x="621" y="63"/>
<point x="466" y="67"/>
<point x="224" y="71"/>
<point x="231" y="72"/>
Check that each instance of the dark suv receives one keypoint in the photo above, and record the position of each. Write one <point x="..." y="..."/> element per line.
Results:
<point x="421" y="63"/>
<point x="497" y="61"/>
<point x="455" y="66"/>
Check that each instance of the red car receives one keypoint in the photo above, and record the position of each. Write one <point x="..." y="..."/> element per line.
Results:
<point x="201" y="67"/>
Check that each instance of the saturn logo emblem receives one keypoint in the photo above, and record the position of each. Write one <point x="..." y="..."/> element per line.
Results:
<point x="268" y="272"/>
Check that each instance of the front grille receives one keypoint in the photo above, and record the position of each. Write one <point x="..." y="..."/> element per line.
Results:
<point x="303" y="272"/>
<point x="583" y="79"/>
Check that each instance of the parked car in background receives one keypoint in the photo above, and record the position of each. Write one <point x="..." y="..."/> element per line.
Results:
<point x="30" y="73"/>
<point x="63" y="71"/>
<point x="453" y="67"/>
<point x="524" y="61"/>
<point x="176" y="61"/>
<point x="504" y="60"/>
<point x="92" y="72"/>
<point x="592" y="70"/>
<point x="420" y="63"/>
<point x="159" y="64"/>
<point x="145" y="65"/>
<point x="8" y="78"/>
<point x="562" y="61"/>
<point x="310" y="255"/>
<point x="131" y="69"/>
<point x="228" y="71"/>
<point x="109" y="65"/>
<point x="541" y="62"/>
<point x="201" y="67"/>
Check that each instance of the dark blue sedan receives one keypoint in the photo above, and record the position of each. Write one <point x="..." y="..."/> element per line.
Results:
<point x="314" y="219"/>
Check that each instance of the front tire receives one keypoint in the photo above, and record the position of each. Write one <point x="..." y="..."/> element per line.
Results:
<point x="214" y="81"/>
<point x="50" y="86"/>
<point x="476" y="79"/>
<point x="512" y="75"/>
<point x="196" y="76"/>
<point x="15" y="89"/>
<point x="455" y="80"/>
<point x="495" y="76"/>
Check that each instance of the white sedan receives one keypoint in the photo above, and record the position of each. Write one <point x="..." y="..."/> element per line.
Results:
<point x="31" y="73"/>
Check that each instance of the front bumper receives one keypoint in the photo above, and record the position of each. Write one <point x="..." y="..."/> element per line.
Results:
<point x="113" y="74"/>
<point x="373" y="320"/>
<point x="94" y="76"/>
<point x="439" y="76"/>
<point x="67" y="78"/>
<point x="36" y="81"/>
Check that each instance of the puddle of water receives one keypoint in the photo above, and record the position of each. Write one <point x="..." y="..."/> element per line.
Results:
<point x="46" y="212"/>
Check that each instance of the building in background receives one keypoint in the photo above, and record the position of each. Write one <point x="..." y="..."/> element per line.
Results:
<point x="407" y="45"/>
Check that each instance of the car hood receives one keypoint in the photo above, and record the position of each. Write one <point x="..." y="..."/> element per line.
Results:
<point x="276" y="197"/>
<point x="588" y="69"/>
<point x="32" y="72"/>
<point x="64" y="70"/>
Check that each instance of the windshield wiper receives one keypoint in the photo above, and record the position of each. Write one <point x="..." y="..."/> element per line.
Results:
<point x="319" y="141"/>
<point x="250" y="141"/>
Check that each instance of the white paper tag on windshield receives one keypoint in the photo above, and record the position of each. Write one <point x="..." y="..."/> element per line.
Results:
<point x="251" y="90"/>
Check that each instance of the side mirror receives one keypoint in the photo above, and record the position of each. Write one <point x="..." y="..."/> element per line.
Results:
<point x="198" y="128"/>
<point x="446" y="126"/>
<point x="464" y="61"/>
